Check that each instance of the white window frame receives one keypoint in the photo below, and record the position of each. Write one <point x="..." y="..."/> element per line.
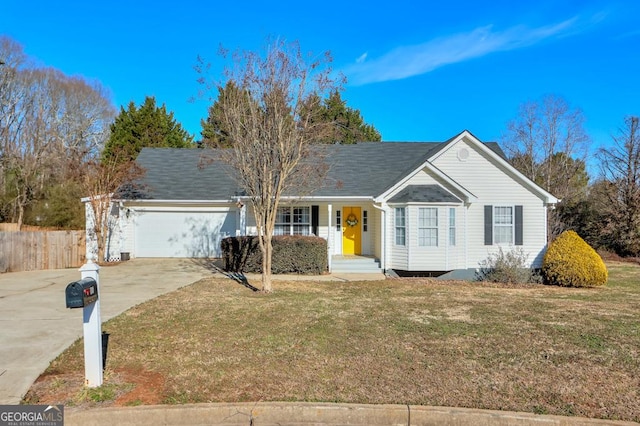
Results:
<point x="452" y="226"/>
<point x="504" y="222"/>
<point x="427" y="226"/>
<point x="290" y="220"/>
<point x="400" y="229"/>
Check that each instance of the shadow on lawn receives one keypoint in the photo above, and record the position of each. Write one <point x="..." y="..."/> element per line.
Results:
<point x="215" y="265"/>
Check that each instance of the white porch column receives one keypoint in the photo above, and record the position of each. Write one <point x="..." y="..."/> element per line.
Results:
<point x="383" y="239"/>
<point x="329" y="236"/>
<point x="384" y="217"/>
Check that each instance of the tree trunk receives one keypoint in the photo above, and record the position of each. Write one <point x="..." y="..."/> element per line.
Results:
<point x="20" y="216"/>
<point x="266" y="264"/>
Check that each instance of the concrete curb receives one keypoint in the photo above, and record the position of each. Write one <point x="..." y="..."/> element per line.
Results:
<point x="300" y="413"/>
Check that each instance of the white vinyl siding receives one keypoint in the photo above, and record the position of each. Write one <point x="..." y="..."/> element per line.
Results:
<point x="427" y="227"/>
<point x="495" y="186"/>
<point x="376" y="227"/>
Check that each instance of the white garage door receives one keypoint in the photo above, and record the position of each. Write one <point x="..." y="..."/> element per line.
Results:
<point x="182" y="234"/>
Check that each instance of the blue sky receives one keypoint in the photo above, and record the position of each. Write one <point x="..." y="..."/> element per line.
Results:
<point x="417" y="70"/>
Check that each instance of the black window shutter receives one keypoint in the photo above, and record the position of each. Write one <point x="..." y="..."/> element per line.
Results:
<point x="488" y="225"/>
<point x="315" y="212"/>
<point x="518" y="225"/>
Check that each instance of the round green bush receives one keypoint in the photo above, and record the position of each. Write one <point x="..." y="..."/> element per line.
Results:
<point x="571" y="262"/>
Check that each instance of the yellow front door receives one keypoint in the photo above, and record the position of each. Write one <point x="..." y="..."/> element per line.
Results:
<point x="351" y="230"/>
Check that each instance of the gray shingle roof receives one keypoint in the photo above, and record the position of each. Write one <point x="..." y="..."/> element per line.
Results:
<point x="182" y="174"/>
<point x="364" y="169"/>
<point x="369" y="169"/>
<point x="424" y="194"/>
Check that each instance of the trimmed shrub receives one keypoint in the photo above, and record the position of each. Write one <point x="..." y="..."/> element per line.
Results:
<point x="508" y="267"/>
<point x="291" y="255"/>
<point x="571" y="262"/>
<point x="237" y="252"/>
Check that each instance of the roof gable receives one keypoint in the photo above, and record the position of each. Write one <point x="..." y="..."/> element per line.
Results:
<point x="493" y="151"/>
<point x="424" y="194"/>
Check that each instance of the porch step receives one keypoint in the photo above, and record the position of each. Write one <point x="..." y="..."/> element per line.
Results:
<point x="355" y="264"/>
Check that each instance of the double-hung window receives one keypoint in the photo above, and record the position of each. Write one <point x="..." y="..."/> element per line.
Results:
<point x="293" y="221"/>
<point x="401" y="226"/>
<point x="452" y="226"/>
<point x="503" y="225"/>
<point x="428" y="227"/>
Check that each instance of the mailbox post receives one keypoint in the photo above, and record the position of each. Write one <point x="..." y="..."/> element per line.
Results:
<point x="85" y="294"/>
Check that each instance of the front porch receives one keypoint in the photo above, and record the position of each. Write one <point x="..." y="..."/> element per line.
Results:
<point x="350" y="264"/>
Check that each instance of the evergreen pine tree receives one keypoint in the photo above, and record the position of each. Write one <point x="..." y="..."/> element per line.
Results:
<point x="147" y="126"/>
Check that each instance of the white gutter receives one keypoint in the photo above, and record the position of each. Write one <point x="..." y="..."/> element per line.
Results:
<point x="86" y="199"/>
<point x="153" y="201"/>
<point x="327" y="198"/>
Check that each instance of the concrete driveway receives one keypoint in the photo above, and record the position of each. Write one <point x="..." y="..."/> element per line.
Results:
<point x="35" y="325"/>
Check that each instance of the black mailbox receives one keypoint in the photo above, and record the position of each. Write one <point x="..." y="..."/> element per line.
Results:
<point x="81" y="293"/>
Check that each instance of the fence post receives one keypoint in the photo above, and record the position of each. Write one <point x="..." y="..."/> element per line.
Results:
<point x="92" y="327"/>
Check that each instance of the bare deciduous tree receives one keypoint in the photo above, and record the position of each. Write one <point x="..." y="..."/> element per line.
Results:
<point x="100" y="181"/>
<point x="620" y="167"/>
<point x="547" y="142"/>
<point x="49" y="124"/>
<point x="271" y="127"/>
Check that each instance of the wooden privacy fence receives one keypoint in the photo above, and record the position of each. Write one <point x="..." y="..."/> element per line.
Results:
<point x="30" y="251"/>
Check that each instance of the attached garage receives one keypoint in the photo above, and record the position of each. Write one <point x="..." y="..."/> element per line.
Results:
<point x="181" y="233"/>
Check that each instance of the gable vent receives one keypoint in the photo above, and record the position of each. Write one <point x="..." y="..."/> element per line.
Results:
<point x="463" y="154"/>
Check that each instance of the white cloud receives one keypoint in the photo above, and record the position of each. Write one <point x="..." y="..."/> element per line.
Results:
<point x="362" y="58"/>
<point x="407" y="61"/>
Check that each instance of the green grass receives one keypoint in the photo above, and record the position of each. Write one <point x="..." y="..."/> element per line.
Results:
<point x="525" y="348"/>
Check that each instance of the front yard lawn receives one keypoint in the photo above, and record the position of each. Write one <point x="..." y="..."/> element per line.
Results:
<point x="534" y="348"/>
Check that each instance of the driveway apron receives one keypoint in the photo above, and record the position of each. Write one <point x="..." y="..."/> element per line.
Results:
<point x="35" y="325"/>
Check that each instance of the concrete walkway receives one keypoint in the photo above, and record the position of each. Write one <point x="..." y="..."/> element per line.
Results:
<point x="297" y="413"/>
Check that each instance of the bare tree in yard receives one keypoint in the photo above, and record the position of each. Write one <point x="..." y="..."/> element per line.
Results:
<point x="271" y="128"/>
<point x="620" y="165"/>
<point x="547" y="142"/>
<point x="100" y="181"/>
